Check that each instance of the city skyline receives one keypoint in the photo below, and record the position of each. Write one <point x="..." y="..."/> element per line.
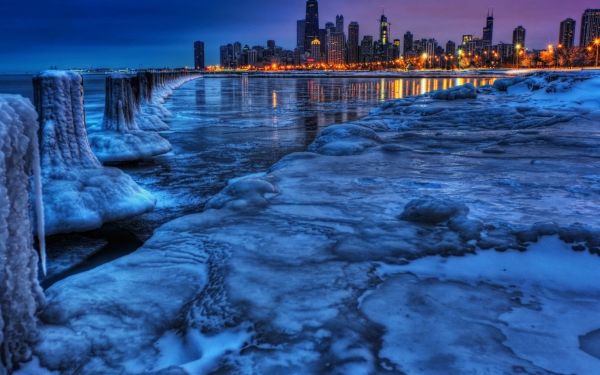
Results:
<point x="69" y="39"/>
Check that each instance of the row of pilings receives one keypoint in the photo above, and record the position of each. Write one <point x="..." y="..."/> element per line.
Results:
<point x="59" y="154"/>
<point x="125" y="94"/>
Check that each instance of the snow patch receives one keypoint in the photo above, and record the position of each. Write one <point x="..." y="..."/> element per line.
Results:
<point x="198" y="353"/>
<point x="537" y="303"/>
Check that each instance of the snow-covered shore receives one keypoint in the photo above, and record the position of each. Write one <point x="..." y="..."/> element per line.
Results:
<point x="450" y="233"/>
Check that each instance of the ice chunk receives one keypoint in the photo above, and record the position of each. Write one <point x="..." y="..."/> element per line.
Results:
<point x="466" y="91"/>
<point x="429" y="210"/>
<point x="79" y="194"/>
<point x="348" y="139"/>
<point x="20" y="294"/>
<point x="244" y="193"/>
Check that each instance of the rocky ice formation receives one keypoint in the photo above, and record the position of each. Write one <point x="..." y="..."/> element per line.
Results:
<point x="466" y="91"/>
<point x="79" y="193"/>
<point x="429" y="237"/>
<point x="20" y="293"/>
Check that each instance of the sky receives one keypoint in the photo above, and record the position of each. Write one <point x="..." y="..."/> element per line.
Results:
<point x="38" y="34"/>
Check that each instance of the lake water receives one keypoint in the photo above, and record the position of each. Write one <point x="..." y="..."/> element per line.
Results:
<point x="223" y="128"/>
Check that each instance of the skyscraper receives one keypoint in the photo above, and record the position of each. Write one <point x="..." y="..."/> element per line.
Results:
<point x="450" y="48"/>
<point x="339" y="23"/>
<point x="311" y="30"/>
<point x="519" y="37"/>
<point x="353" y="49"/>
<point x="335" y="48"/>
<point x="408" y="42"/>
<point x="300" y="34"/>
<point x="396" y="49"/>
<point x="384" y="30"/>
<point x="566" y="36"/>
<point x="315" y="50"/>
<point x="330" y="27"/>
<point x="590" y="27"/>
<point x="323" y="40"/>
<point x="488" y="30"/>
<point x="199" y="55"/>
<point x="366" y="49"/>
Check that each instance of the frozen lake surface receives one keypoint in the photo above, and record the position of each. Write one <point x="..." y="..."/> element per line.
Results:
<point x="221" y="128"/>
<point x="444" y="234"/>
<point x="449" y="233"/>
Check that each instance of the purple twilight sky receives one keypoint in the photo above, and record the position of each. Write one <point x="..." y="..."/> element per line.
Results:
<point x="154" y="33"/>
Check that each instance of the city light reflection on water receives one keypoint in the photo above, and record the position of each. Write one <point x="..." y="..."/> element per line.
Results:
<point x="385" y="89"/>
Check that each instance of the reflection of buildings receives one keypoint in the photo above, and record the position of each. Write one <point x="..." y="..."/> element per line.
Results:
<point x="200" y="87"/>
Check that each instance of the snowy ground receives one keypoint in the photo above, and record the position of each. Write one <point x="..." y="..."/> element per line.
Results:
<point x="434" y="236"/>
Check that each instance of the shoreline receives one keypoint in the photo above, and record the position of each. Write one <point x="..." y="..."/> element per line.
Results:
<point x="430" y="73"/>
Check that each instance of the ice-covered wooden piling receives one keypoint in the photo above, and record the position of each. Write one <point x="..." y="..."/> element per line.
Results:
<point x="122" y="103"/>
<point x="58" y="97"/>
<point x="120" y="139"/>
<point x="128" y="95"/>
<point x="20" y="293"/>
<point x="79" y="193"/>
<point x="154" y="88"/>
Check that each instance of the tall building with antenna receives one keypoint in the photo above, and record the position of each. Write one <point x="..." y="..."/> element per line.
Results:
<point x="384" y="30"/>
<point x="488" y="30"/>
<point x="311" y="30"/>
